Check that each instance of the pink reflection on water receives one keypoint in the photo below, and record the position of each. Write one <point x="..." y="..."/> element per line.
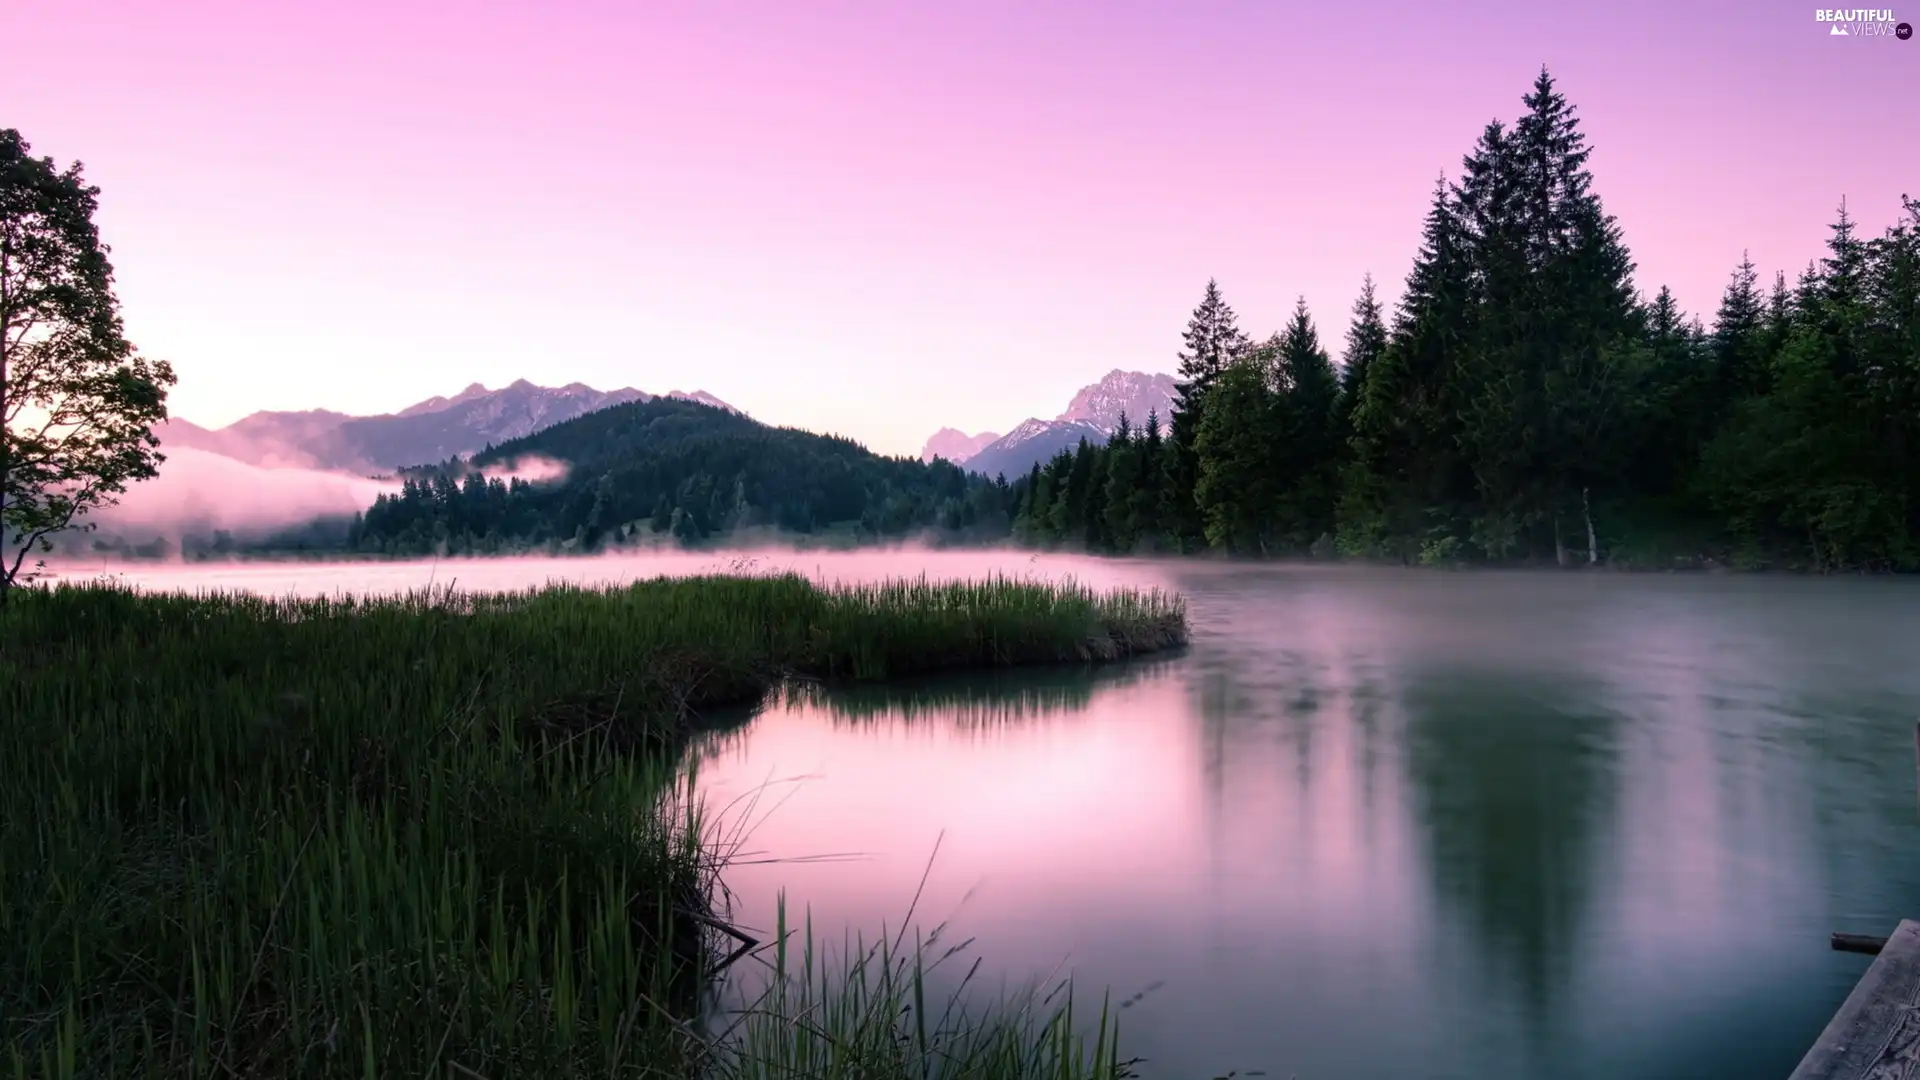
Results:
<point x="1126" y="836"/>
<point x="1045" y="811"/>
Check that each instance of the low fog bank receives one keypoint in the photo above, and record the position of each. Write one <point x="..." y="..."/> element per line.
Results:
<point x="533" y="469"/>
<point x="508" y="573"/>
<point x="198" y="492"/>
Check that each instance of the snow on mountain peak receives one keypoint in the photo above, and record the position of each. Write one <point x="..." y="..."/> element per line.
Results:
<point x="1092" y="414"/>
<point x="1029" y="428"/>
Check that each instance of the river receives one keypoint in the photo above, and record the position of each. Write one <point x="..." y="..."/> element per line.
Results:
<point x="1372" y="823"/>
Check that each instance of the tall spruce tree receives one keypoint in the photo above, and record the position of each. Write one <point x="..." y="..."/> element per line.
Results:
<point x="1214" y="341"/>
<point x="1556" y="330"/>
<point x="1155" y="505"/>
<point x="1366" y="340"/>
<point x="1309" y="440"/>
<point x="1408" y="474"/>
<point x="1502" y="381"/>
<point x="1779" y="318"/>
<point x="1029" y="521"/>
<point x="1236" y="486"/>
<point x="1080" y="487"/>
<point x="1739" y="348"/>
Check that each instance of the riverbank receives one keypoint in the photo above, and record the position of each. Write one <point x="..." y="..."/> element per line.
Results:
<point x="444" y="835"/>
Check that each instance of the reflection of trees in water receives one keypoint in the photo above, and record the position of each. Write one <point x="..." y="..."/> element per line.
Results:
<point x="1265" y="713"/>
<point x="1288" y="695"/>
<point x="1365" y="710"/>
<point x="1513" y="781"/>
<point x="975" y="703"/>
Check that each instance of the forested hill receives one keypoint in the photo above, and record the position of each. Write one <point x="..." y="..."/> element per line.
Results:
<point x="678" y="468"/>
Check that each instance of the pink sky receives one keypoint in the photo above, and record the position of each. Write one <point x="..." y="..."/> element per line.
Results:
<point x="876" y="218"/>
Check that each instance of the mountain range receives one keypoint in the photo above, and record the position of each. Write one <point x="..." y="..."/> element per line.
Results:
<point x="465" y="423"/>
<point x="428" y="431"/>
<point x="1092" y="414"/>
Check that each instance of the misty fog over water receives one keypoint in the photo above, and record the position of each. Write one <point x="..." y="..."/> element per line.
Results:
<point x="1371" y="823"/>
<point x="281" y="578"/>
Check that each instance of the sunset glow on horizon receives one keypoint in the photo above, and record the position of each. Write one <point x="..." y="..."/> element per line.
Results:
<point x="878" y="219"/>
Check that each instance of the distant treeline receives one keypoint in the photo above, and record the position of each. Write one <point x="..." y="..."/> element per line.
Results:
<point x="1523" y="403"/>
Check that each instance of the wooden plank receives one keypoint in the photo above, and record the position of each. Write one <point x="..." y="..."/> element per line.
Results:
<point x="1869" y="944"/>
<point x="1876" y="1033"/>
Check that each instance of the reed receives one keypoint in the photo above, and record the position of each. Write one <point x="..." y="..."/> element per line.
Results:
<point x="887" y="1009"/>
<point x="442" y="834"/>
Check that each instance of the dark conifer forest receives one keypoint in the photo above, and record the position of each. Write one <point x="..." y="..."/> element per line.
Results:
<point x="682" y="472"/>
<point x="1524" y="402"/>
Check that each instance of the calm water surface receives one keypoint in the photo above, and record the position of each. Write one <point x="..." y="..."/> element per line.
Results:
<point x="1372" y="823"/>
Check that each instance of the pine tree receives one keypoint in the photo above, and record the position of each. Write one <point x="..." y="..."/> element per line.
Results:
<point x="1778" y="321"/>
<point x="1508" y="200"/>
<point x="1407" y="466"/>
<point x="1031" y="523"/>
<point x="1236" y="487"/>
<point x="1214" y="341"/>
<point x="1094" y="535"/>
<point x="1308" y="441"/>
<point x="1154" y="508"/>
<point x="1739" y="349"/>
<point x="1673" y="388"/>
<point x="1804" y="302"/>
<point x="1366" y="340"/>
<point x="1838" y="302"/>
<point x="1557" y="326"/>
<point x="1120" y="497"/>
<point x="1060" y="503"/>
<point x="1080" y="485"/>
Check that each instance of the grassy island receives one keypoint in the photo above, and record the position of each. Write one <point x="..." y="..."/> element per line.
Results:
<point x="442" y="835"/>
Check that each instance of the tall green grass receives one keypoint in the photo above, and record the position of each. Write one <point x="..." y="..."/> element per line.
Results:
<point x="872" y="1009"/>
<point x="443" y="835"/>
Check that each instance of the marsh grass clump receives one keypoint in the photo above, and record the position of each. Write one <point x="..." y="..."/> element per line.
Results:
<point x="443" y="834"/>
<point x="893" y="1008"/>
<point x="913" y="626"/>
